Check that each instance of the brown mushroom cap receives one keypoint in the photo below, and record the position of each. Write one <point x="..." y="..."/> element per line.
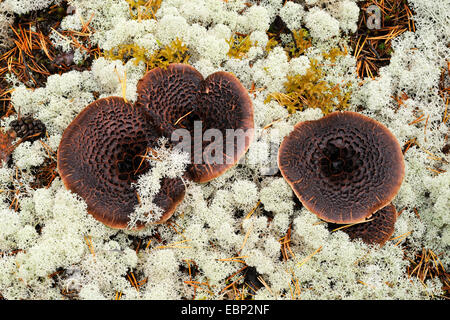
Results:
<point x="100" y="155"/>
<point x="178" y="96"/>
<point x="342" y="167"/>
<point x="377" y="230"/>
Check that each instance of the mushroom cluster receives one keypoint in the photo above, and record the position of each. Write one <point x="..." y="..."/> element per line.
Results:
<point x="179" y="96"/>
<point x="346" y="168"/>
<point x="100" y="153"/>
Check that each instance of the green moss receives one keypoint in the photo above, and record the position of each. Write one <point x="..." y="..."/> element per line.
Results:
<point x="143" y="9"/>
<point x="310" y="91"/>
<point x="301" y="42"/>
<point x="125" y="52"/>
<point x="272" y="43"/>
<point x="334" y="53"/>
<point x="239" y="46"/>
<point x="175" y="52"/>
<point x="134" y="4"/>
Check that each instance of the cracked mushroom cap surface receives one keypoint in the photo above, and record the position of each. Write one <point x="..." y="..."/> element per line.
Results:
<point x="100" y="156"/>
<point x="343" y="167"/>
<point x="378" y="229"/>
<point x="211" y="118"/>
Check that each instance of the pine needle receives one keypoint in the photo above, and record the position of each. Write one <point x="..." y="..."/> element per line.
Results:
<point x="90" y="245"/>
<point x="309" y="257"/>
<point x="123" y="83"/>
<point x="351" y="224"/>
<point x="247" y="234"/>
<point x="253" y="210"/>
<point x="265" y="285"/>
<point x="401" y="237"/>
<point x="182" y="117"/>
<point x="234" y="259"/>
<point x="174" y="245"/>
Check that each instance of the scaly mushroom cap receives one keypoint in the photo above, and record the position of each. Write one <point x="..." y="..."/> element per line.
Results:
<point x="377" y="230"/>
<point x="180" y="98"/>
<point x="343" y="167"/>
<point x="100" y="156"/>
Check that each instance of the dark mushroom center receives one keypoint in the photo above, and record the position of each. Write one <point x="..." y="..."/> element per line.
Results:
<point x="339" y="160"/>
<point x="130" y="162"/>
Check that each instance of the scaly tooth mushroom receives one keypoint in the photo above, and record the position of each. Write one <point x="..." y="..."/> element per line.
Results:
<point x="100" y="156"/>
<point x="100" y="153"/>
<point x="342" y="167"/>
<point x="180" y="97"/>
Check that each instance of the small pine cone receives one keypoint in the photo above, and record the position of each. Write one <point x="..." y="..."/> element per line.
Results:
<point x="28" y="128"/>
